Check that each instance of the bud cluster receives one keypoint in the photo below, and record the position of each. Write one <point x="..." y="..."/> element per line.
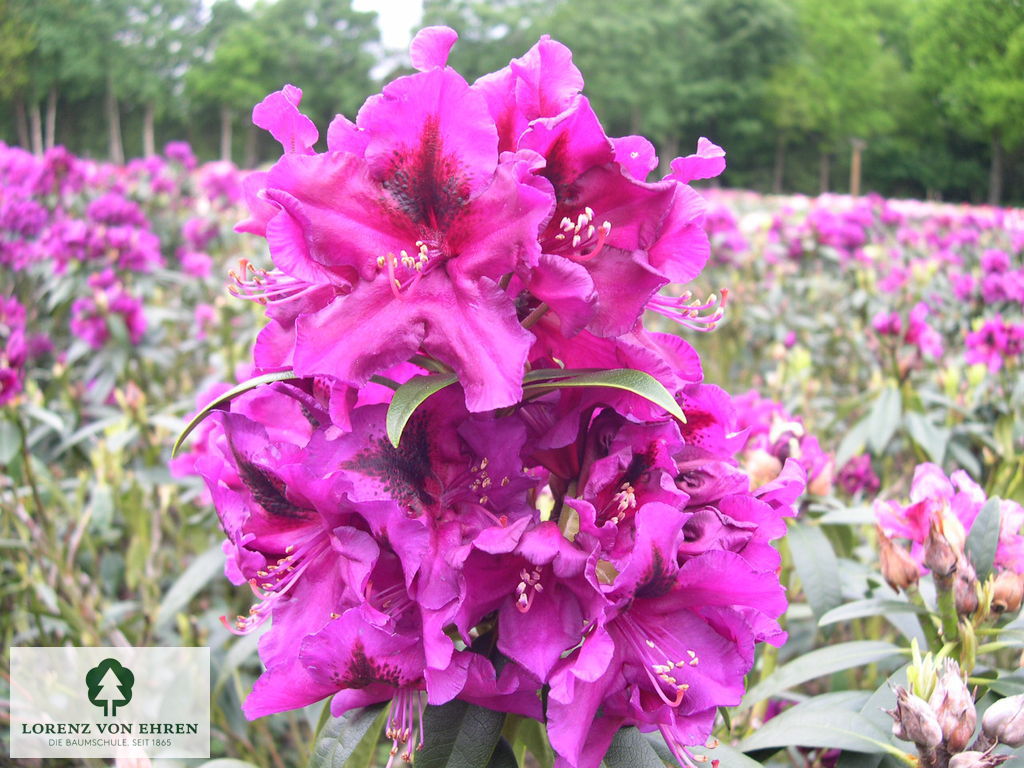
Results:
<point x="937" y="713"/>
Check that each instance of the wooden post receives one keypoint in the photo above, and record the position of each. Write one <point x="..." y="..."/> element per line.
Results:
<point x="858" y="146"/>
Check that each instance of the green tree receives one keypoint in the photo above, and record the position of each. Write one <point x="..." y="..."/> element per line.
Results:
<point x="970" y="56"/>
<point x="838" y="83"/>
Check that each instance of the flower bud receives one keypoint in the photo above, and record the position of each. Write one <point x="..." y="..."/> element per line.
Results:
<point x="954" y="707"/>
<point x="898" y="568"/>
<point x="939" y="556"/>
<point x="914" y="720"/>
<point x="966" y="588"/>
<point x="1007" y="592"/>
<point x="977" y="760"/>
<point x="1004" y="721"/>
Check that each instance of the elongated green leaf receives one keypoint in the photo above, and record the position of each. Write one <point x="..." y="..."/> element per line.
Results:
<point x="546" y="374"/>
<point x="817" y="566"/>
<point x="409" y="397"/>
<point x="823" y="661"/>
<point x="884" y="418"/>
<point x="826" y="726"/>
<point x="984" y="538"/>
<point x="459" y="735"/>
<point x="629" y="749"/>
<point x="10" y="441"/>
<point x="228" y="762"/>
<point x="232" y="393"/>
<point x="853" y="442"/>
<point x="859" y="609"/>
<point x="932" y="439"/>
<point x="850" y="516"/>
<point x="532" y="736"/>
<point x="342" y="736"/>
<point x="1008" y="685"/>
<point x="637" y="382"/>
<point x="727" y="757"/>
<point x="199" y="572"/>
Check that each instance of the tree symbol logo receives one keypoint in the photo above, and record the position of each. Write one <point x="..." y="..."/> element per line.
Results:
<point x="110" y="685"/>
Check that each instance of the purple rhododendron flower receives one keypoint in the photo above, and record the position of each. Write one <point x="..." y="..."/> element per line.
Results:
<point x="520" y="536"/>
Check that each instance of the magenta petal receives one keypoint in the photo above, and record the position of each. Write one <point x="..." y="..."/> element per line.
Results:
<point x="432" y="143"/>
<point x="567" y="288"/>
<point x="625" y="283"/>
<point x="637" y="155"/>
<point x="279" y="114"/>
<point x="683" y="248"/>
<point x="344" y="136"/>
<point x="284" y="687"/>
<point x="430" y="47"/>
<point x="706" y="164"/>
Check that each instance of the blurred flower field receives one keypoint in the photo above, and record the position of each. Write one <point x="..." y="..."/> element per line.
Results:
<point x="878" y="343"/>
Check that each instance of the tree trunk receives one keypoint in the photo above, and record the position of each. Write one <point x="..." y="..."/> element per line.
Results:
<point x="824" y="170"/>
<point x="148" y="130"/>
<point x="995" y="174"/>
<point x="35" y="121"/>
<point x="858" y="146"/>
<point x="251" y="135"/>
<point x="115" y="147"/>
<point x="226" y="119"/>
<point x="51" y="118"/>
<point x="22" y="120"/>
<point x="779" y="169"/>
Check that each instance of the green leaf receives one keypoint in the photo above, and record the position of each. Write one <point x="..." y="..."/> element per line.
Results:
<point x="819" y="724"/>
<point x="637" y="382"/>
<point x="232" y="393"/>
<point x="860" y="609"/>
<point x="850" y="516"/>
<point x="195" y="577"/>
<point x="884" y="418"/>
<point x="1008" y="685"/>
<point x="823" y="661"/>
<point x="10" y="441"/>
<point x="532" y="735"/>
<point x="984" y="538"/>
<point x="817" y="566"/>
<point x="459" y="735"/>
<point x="727" y="757"/>
<point x="341" y="738"/>
<point x="629" y="749"/>
<point x="932" y="439"/>
<point x="409" y="397"/>
<point x="852" y="443"/>
<point x="227" y="762"/>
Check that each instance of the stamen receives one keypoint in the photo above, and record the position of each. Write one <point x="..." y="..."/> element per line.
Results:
<point x="687" y="311"/>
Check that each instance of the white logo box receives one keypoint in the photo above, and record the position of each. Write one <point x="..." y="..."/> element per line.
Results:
<point x="110" y="702"/>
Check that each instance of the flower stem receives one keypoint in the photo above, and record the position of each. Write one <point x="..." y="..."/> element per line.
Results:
<point x="947" y="611"/>
<point x="925" y="620"/>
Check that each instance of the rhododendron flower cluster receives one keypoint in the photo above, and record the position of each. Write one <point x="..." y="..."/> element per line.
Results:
<point x="526" y="533"/>
<point x="995" y="343"/>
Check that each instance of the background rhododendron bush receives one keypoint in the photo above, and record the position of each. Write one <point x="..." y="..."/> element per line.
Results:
<point x="514" y="450"/>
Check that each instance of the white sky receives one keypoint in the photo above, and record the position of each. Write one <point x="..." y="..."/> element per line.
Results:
<point x="397" y="19"/>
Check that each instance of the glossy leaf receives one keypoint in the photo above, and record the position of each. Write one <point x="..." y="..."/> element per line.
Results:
<point x="341" y="738"/>
<point x="409" y="397"/>
<point x="459" y="735"/>
<point x="860" y="609"/>
<point x="820" y="662"/>
<point x="629" y="749"/>
<point x="984" y="538"/>
<point x="816" y="564"/>
<point x="245" y="386"/>
<point x="819" y="724"/>
<point x="627" y="379"/>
